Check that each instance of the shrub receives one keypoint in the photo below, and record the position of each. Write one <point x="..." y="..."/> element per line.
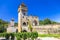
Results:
<point x="25" y="35"/>
<point x="34" y="35"/>
<point x="19" y="36"/>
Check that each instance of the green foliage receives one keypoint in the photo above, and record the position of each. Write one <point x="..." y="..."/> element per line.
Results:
<point x="16" y="24"/>
<point x="29" y="34"/>
<point x="7" y="35"/>
<point x="49" y="35"/>
<point x="2" y="34"/>
<point x="26" y="35"/>
<point x="30" y="26"/>
<point x="46" y="21"/>
<point x="41" y="22"/>
<point x="54" y="22"/>
<point x="18" y="36"/>
<point x="34" y="35"/>
<point x="2" y="29"/>
<point x="3" y="25"/>
<point x="12" y="36"/>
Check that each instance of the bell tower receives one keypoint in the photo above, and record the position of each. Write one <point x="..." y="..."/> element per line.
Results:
<point x="22" y="12"/>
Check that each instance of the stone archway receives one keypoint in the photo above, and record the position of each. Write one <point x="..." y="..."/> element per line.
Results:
<point x="16" y="30"/>
<point x="35" y="22"/>
<point x="24" y="30"/>
<point x="24" y="23"/>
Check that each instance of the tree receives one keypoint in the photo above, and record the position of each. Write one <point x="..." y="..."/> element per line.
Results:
<point x="16" y="24"/>
<point x="41" y="22"/>
<point x="47" y="21"/>
<point x="53" y="22"/>
<point x="3" y="25"/>
<point x="1" y="29"/>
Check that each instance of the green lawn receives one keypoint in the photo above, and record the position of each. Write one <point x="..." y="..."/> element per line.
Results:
<point x="49" y="35"/>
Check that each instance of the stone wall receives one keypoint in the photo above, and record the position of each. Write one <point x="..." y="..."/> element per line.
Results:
<point x="45" y="29"/>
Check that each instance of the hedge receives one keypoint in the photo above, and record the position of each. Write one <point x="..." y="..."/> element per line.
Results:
<point x="25" y="35"/>
<point x="19" y="36"/>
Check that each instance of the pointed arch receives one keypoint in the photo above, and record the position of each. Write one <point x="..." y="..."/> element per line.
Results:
<point x="35" y="22"/>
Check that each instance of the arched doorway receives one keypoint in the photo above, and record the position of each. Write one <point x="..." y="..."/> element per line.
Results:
<point x="24" y="23"/>
<point x="16" y="30"/>
<point x="35" y="22"/>
<point x="24" y="31"/>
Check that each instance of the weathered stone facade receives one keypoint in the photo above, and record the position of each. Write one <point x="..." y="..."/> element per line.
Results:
<point x="47" y="29"/>
<point x="23" y="18"/>
<point x="23" y="23"/>
<point x="11" y="27"/>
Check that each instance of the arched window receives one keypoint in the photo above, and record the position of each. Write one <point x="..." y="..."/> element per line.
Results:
<point x="24" y="13"/>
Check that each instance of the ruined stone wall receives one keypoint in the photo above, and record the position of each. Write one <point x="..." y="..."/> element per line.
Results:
<point x="45" y="29"/>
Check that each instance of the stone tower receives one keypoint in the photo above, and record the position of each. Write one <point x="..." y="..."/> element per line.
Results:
<point x="12" y="22"/>
<point x="11" y="28"/>
<point x="22" y="12"/>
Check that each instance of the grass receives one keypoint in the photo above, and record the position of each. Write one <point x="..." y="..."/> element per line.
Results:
<point x="49" y="35"/>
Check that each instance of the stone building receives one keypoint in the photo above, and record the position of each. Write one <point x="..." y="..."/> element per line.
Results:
<point x="23" y="18"/>
<point x="34" y="20"/>
<point x="11" y="27"/>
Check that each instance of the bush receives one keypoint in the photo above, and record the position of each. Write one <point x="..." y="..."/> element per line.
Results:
<point x="19" y="36"/>
<point x="25" y="35"/>
<point x="34" y="35"/>
<point x="12" y="36"/>
<point x="7" y="35"/>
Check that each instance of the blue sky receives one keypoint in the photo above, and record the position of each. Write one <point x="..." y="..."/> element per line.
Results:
<point x="41" y="8"/>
